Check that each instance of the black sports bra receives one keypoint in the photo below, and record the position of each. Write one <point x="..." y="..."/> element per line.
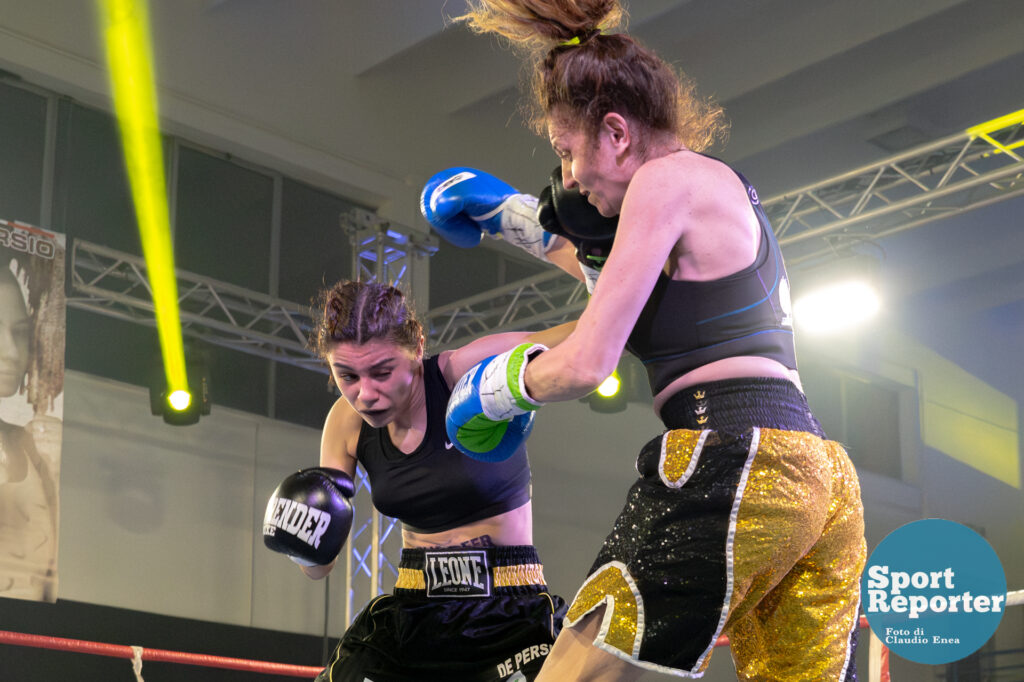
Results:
<point x="687" y="324"/>
<point x="436" y="488"/>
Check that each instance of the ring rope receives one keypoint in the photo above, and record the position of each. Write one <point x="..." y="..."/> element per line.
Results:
<point x="154" y="655"/>
<point x="138" y="654"/>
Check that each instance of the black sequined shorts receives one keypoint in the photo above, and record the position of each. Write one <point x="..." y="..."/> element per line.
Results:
<point x="746" y="522"/>
<point x="478" y="615"/>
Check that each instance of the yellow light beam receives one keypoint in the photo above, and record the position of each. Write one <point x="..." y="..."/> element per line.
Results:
<point x="126" y="34"/>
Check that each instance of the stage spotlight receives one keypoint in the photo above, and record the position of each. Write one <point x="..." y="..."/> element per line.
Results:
<point x="179" y="400"/>
<point x="836" y="296"/>
<point x="836" y="307"/>
<point x="181" y="407"/>
<point x="126" y="35"/>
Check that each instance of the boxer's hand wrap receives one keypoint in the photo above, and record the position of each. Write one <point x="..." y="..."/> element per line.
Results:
<point x="489" y="413"/>
<point x="519" y="226"/>
<point x="567" y="213"/>
<point x="463" y="204"/>
<point x="590" y="276"/>
<point x="309" y="516"/>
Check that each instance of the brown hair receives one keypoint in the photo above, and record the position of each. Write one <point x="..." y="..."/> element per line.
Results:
<point x="357" y="312"/>
<point x="597" y="72"/>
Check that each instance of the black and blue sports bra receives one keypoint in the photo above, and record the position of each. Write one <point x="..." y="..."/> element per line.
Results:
<point x="686" y="324"/>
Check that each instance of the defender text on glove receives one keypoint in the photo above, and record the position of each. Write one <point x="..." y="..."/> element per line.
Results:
<point x="304" y="522"/>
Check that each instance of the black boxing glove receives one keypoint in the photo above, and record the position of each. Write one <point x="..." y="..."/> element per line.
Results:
<point x="309" y="516"/>
<point x="567" y="213"/>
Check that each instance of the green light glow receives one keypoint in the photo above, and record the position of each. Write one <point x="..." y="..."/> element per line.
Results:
<point x="126" y="34"/>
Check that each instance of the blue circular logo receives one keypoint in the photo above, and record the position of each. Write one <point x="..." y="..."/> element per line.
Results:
<point x="933" y="591"/>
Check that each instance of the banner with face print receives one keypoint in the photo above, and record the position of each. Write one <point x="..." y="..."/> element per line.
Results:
<point x="32" y="338"/>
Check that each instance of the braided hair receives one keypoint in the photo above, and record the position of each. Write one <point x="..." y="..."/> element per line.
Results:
<point x="358" y="312"/>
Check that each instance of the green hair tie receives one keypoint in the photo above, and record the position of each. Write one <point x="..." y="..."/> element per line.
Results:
<point x="580" y="39"/>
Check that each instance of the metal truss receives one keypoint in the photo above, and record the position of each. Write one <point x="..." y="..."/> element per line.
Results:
<point x="951" y="176"/>
<point x="116" y="284"/>
<point x="542" y="300"/>
<point x="372" y="544"/>
<point x="382" y="252"/>
<point x="945" y="178"/>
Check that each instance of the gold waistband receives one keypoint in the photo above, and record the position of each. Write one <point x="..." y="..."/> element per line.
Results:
<point x="521" y="575"/>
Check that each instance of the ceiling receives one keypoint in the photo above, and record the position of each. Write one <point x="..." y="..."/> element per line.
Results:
<point x="368" y="98"/>
<point x="373" y="96"/>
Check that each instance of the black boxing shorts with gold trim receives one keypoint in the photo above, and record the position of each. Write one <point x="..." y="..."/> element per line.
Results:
<point x="479" y="615"/>
<point x="748" y="522"/>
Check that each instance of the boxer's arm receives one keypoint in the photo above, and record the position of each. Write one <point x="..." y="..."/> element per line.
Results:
<point x="455" y="363"/>
<point x="337" y="450"/>
<point x="563" y="254"/>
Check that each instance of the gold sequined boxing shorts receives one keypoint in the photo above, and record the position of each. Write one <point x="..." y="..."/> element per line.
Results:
<point x="751" y="526"/>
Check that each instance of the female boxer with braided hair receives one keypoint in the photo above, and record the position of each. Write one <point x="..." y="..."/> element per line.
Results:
<point x="470" y="595"/>
<point x="746" y="520"/>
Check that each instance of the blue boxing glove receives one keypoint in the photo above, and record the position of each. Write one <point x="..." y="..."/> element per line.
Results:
<point x="463" y="204"/>
<point x="489" y="413"/>
<point x="309" y="516"/>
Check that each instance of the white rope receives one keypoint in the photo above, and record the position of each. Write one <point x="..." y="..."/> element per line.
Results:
<point x="137" y="662"/>
<point x="876" y="664"/>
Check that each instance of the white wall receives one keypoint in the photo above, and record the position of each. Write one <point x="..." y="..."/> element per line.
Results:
<point x="167" y="519"/>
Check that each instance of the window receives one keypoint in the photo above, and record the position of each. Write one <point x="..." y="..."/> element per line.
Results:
<point x="223" y="220"/>
<point x="22" y="141"/>
<point x="92" y="198"/>
<point x="314" y="249"/>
